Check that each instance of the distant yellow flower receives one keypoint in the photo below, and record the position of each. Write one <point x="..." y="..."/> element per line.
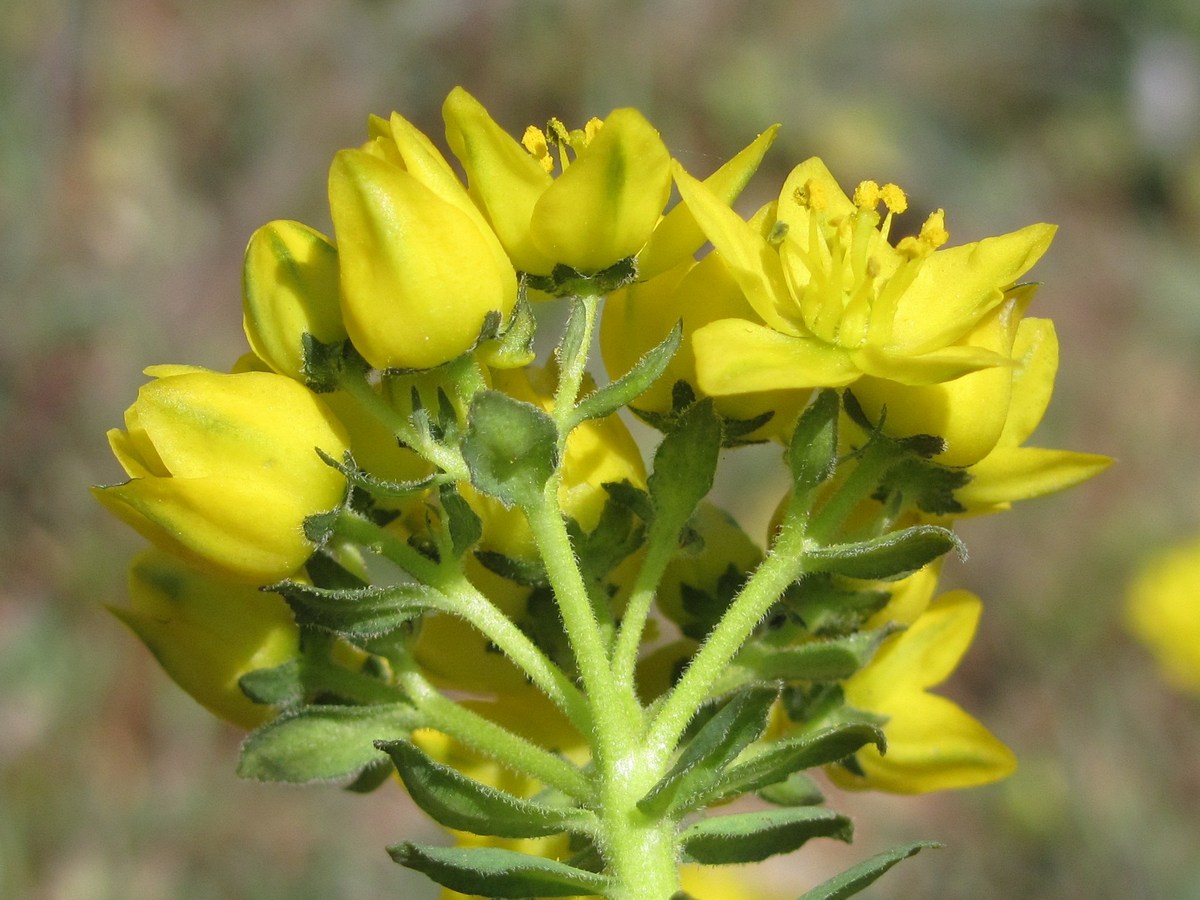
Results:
<point x="207" y="632"/>
<point x="932" y="744"/>
<point x="223" y="469"/>
<point x="836" y="300"/>
<point x="1163" y="611"/>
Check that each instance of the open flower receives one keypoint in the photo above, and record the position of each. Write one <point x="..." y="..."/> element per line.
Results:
<point x="836" y="300"/>
<point x="932" y="744"/>
<point x="223" y="469"/>
<point x="207" y="632"/>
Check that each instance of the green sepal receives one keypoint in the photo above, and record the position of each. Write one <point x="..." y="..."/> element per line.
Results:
<point x="564" y="281"/>
<point x="738" y="723"/>
<point x="683" y="395"/>
<point x="374" y="775"/>
<point x="925" y="484"/>
<point x="829" y="608"/>
<point x="462" y="803"/>
<point x="753" y="837"/>
<point x="812" y="451"/>
<point x="325" y="366"/>
<point x="281" y="685"/>
<point x="356" y="613"/>
<point x="511" y="448"/>
<point x="783" y="758"/>
<point x="495" y="872"/>
<point x="526" y="572"/>
<point x="617" y="534"/>
<point x="319" y="527"/>
<point x="462" y="523"/>
<point x="854" y="879"/>
<point x="513" y="348"/>
<point x="831" y="659"/>
<point x="888" y="557"/>
<point x="378" y="488"/>
<point x="634" y="498"/>
<point x="634" y="383"/>
<point x="795" y="790"/>
<point x="685" y="464"/>
<point x="323" y="743"/>
<point x="575" y="333"/>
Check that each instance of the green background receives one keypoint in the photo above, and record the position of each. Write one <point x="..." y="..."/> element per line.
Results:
<point x="141" y="141"/>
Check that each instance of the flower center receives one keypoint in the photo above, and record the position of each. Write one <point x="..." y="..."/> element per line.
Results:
<point x="542" y="143"/>
<point x="844" y="275"/>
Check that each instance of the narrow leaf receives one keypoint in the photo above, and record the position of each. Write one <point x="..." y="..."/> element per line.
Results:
<point x="819" y="660"/>
<point x="783" y="758"/>
<point x="854" y="879"/>
<point x="812" y="452"/>
<point x="495" y="872"/>
<point x="684" y="465"/>
<point x="323" y="743"/>
<point x="888" y="557"/>
<point x="356" y="613"/>
<point x="378" y="488"/>
<point x="734" y="727"/>
<point x="632" y="384"/>
<point x="459" y="802"/>
<point x="753" y="837"/>
<point x="795" y="790"/>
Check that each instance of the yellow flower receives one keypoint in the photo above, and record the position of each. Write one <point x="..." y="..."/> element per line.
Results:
<point x="223" y="469"/>
<point x="599" y="210"/>
<point x="932" y="744"/>
<point x="289" y="289"/>
<point x="420" y="269"/>
<point x="837" y="300"/>
<point x="207" y="632"/>
<point x="1163" y="611"/>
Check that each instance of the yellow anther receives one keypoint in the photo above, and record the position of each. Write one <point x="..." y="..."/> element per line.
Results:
<point x="893" y="198"/>
<point x="811" y="194"/>
<point x="591" y="129"/>
<point x="558" y="131"/>
<point x="534" y="140"/>
<point x="866" y="195"/>
<point x="933" y="232"/>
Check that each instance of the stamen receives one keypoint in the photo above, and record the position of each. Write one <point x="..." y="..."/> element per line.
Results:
<point x="934" y="232"/>
<point x="811" y="194"/>
<point x="893" y="198"/>
<point x="534" y="140"/>
<point x="866" y="195"/>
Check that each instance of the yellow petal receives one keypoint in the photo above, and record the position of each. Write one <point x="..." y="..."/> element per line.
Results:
<point x="603" y="208"/>
<point x="753" y="263"/>
<point x="504" y="180"/>
<point x="930" y="368"/>
<point x="734" y="356"/>
<point x="678" y="236"/>
<point x="957" y="286"/>
<point x="1035" y="353"/>
<point x="1019" y="473"/>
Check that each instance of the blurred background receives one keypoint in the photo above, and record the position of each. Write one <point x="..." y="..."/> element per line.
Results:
<point x="141" y="141"/>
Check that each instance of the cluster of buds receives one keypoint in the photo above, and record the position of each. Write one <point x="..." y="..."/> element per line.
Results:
<point x="395" y="540"/>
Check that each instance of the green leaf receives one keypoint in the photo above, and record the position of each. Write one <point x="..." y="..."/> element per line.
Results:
<point x="526" y="572"/>
<point x="495" y="872"/>
<point x="854" y="879"/>
<point x="684" y="466"/>
<point x="753" y="837"/>
<point x="574" y="334"/>
<point x="459" y="802"/>
<point x="510" y="447"/>
<point x="730" y="730"/>
<point x="464" y="525"/>
<point x="374" y="775"/>
<point x="280" y="685"/>
<point x="781" y="759"/>
<point x="634" y="383"/>
<point x="356" y="613"/>
<point x="378" y="488"/>
<point x="829" y="608"/>
<point x="795" y="790"/>
<point x="831" y="659"/>
<point x="323" y="743"/>
<point x="812" y="451"/>
<point x="888" y="557"/>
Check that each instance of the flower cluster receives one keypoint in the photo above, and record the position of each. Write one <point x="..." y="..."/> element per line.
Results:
<point x="396" y="539"/>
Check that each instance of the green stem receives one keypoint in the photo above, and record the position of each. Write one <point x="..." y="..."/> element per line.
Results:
<point x="863" y="480"/>
<point x="783" y="565"/>
<point x="494" y="741"/>
<point x="658" y="555"/>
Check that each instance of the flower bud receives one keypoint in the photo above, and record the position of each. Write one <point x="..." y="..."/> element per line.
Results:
<point x="601" y="209"/>
<point x="419" y="276"/>
<point x="223" y="469"/>
<point x="207" y="632"/>
<point x="289" y="289"/>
